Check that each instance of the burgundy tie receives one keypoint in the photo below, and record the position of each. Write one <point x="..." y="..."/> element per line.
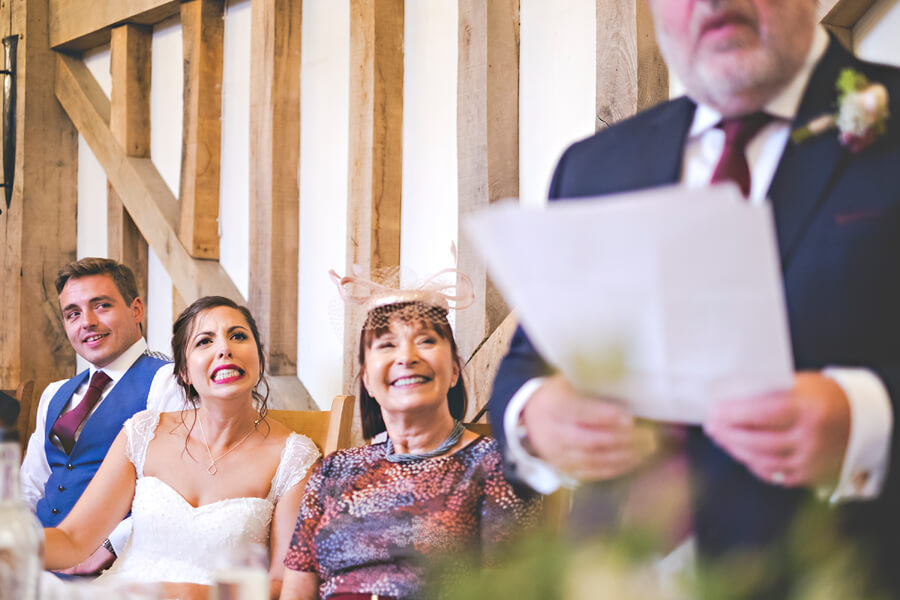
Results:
<point x="67" y="424"/>
<point x="733" y="162"/>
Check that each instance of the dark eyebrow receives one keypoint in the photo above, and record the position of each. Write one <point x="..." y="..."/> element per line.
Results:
<point x="230" y="330"/>
<point x="93" y="300"/>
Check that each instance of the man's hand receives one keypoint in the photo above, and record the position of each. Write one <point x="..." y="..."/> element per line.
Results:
<point x="101" y="559"/>
<point x="795" y="438"/>
<point x="589" y="438"/>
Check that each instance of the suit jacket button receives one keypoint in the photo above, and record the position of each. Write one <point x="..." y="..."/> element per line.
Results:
<point x="61" y="488"/>
<point x="69" y="467"/>
<point x="55" y="511"/>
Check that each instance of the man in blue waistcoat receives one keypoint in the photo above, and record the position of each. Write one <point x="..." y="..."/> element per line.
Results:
<point x="78" y="419"/>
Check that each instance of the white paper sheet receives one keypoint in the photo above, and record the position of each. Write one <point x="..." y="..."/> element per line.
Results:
<point x="668" y="299"/>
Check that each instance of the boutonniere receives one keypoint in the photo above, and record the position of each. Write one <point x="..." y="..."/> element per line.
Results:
<point x="862" y="113"/>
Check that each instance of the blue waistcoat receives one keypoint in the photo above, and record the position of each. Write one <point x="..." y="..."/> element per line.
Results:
<point x="70" y="474"/>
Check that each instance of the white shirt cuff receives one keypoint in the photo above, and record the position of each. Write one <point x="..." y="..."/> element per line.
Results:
<point x="867" y="458"/>
<point x="120" y="535"/>
<point x="542" y="477"/>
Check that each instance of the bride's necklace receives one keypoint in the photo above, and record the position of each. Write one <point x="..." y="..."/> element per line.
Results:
<point x="212" y="469"/>
<point x="455" y="435"/>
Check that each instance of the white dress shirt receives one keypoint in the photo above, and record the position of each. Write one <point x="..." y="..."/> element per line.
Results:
<point x="871" y="424"/>
<point x="164" y="395"/>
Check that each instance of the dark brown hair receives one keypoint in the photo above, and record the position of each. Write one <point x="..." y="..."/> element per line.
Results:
<point x="121" y="275"/>
<point x="378" y="322"/>
<point x="182" y="330"/>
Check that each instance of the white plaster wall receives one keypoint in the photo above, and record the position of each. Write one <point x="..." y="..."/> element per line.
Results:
<point x="430" y="174"/>
<point x="166" y="108"/>
<point x="234" y="180"/>
<point x="876" y="35"/>
<point x="91" y="225"/>
<point x="324" y="132"/>
<point x="557" y="80"/>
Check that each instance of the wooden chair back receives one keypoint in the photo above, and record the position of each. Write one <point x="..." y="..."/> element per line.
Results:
<point x="329" y="429"/>
<point x="24" y="395"/>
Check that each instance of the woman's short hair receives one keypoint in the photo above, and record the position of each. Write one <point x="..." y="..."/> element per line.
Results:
<point x="378" y="322"/>
<point x="181" y="333"/>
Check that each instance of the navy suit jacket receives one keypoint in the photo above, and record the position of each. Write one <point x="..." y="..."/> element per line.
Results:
<point x="837" y="216"/>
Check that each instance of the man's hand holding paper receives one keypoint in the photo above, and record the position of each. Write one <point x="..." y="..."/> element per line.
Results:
<point x="792" y="438"/>
<point x="589" y="438"/>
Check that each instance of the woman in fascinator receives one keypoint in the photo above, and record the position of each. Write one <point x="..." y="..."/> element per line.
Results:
<point x="373" y="518"/>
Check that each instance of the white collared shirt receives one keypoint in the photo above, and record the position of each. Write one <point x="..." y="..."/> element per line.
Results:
<point x="871" y="425"/>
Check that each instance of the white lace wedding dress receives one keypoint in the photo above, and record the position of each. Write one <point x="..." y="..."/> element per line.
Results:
<point x="171" y="540"/>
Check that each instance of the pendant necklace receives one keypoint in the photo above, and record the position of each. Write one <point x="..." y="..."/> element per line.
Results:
<point x="212" y="469"/>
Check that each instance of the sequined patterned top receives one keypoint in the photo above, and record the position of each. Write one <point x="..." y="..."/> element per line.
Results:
<point x="370" y="526"/>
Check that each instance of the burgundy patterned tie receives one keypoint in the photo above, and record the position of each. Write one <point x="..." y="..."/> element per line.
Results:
<point x="733" y="162"/>
<point x="67" y="424"/>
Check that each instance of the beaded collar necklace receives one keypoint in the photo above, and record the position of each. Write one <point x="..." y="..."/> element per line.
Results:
<point x="455" y="435"/>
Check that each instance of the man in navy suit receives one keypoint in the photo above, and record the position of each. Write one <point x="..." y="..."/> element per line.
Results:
<point x="828" y="442"/>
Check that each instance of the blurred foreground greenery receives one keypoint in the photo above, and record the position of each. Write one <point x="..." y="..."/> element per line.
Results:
<point x="550" y="565"/>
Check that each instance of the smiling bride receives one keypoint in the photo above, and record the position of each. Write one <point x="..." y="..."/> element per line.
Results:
<point x="200" y="483"/>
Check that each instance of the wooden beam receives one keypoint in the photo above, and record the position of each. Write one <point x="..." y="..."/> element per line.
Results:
<point x="140" y="186"/>
<point x="488" y="143"/>
<point x="843" y="13"/>
<point x="37" y="231"/>
<point x="203" y="27"/>
<point x="82" y="24"/>
<point x="631" y="74"/>
<point x="129" y="121"/>
<point x="274" y="183"/>
<point x="376" y="137"/>
<point x="843" y="34"/>
<point x="482" y="367"/>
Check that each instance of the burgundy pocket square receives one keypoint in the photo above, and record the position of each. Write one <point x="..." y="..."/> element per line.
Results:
<point x="854" y="217"/>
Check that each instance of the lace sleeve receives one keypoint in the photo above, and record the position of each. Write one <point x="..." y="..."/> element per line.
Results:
<point x="299" y="454"/>
<point x="139" y="430"/>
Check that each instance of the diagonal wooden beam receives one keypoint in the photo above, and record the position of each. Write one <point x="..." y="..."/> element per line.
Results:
<point x="203" y="28"/>
<point x="130" y="125"/>
<point x="140" y="186"/>
<point x="376" y="138"/>
<point x="631" y="74"/>
<point x="83" y="24"/>
<point x="841" y="16"/>
<point x="843" y="13"/>
<point x="488" y="142"/>
<point x="274" y="179"/>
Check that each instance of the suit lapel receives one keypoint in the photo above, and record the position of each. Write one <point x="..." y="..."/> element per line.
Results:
<point x="808" y="169"/>
<point x="664" y="144"/>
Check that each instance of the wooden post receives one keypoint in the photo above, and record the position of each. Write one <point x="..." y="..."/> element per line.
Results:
<point x="275" y="189"/>
<point x="274" y="186"/>
<point x="488" y="143"/>
<point x="37" y="232"/>
<point x="203" y="26"/>
<point x="631" y="74"/>
<point x="129" y="121"/>
<point x="376" y="137"/>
